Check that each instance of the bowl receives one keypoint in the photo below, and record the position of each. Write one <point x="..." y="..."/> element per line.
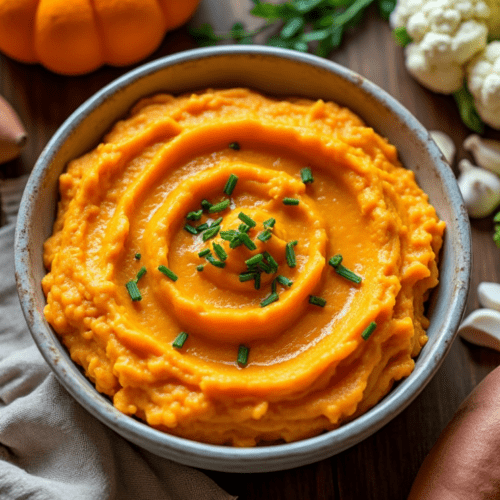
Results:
<point x="278" y="72"/>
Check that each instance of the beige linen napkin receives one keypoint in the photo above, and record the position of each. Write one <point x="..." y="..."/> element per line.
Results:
<point x="50" y="447"/>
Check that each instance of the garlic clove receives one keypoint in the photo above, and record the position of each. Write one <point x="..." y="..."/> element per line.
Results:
<point x="480" y="189"/>
<point x="486" y="152"/>
<point x="445" y="144"/>
<point x="482" y="328"/>
<point x="489" y="295"/>
<point x="13" y="136"/>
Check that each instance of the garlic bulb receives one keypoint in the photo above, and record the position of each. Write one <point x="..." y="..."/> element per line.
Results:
<point x="12" y="134"/>
<point x="480" y="189"/>
<point x="445" y="144"/>
<point x="486" y="152"/>
<point x="482" y="327"/>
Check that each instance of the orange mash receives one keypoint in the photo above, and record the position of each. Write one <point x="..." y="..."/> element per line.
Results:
<point x="263" y="337"/>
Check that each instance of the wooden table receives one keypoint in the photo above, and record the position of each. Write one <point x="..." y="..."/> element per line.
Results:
<point x="384" y="465"/>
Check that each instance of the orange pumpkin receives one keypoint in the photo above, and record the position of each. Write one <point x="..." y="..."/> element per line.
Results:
<point x="78" y="36"/>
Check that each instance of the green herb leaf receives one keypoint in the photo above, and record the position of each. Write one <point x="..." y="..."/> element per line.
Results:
<point x="230" y="184"/>
<point x="265" y="235"/>
<point x="200" y="267"/>
<point x="246" y="219"/>
<point x="467" y="110"/>
<point x="283" y="280"/>
<point x="290" y="201"/>
<point x="138" y="256"/>
<point x="243" y="352"/>
<point x="215" y="262"/>
<point x="219" y="207"/>
<point x="195" y="215"/>
<point x="290" y="254"/>
<point x="168" y="272"/>
<point x="306" y="175"/>
<point x="220" y="252"/>
<point x="385" y="8"/>
<point x="269" y="223"/>
<point x="235" y="145"/>
<point x="180" y="340"/>
<point x="205" y="204"/>
<point x="252" y="261"/>
<point x="270" y="299"/>
<point x="204" y="252"/>
<point x="210" y="233"/>
<point x="202" y="227"/>
<point x="292" y="27"/>
<point x="141" y="273"/>
<point x="246" y="276"/>
<point x="401" y="36"/>
<point x="369" y="330"/>
<point x="133" y="291"/>
<point x="190" y="229"/>
<point x="317" y="301"/>
<point x="204" y="35"/>
<point x="245" y="239"/>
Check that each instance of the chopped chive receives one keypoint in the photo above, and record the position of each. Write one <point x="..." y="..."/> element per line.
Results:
<point x="290" y="254"/>
<point x="246" y="219"/>
<point x="140" y="274"/>
<point x="317" y="301"/>
<point x="180" y="340"/>
<point x="246" y="277"/>
<point x="235" y="145"/>
<point x="348" y="274"/>
<point x="290" y="201"/>
<point x="138" y="256"/>
<point x="202" y="227"/>
<point x="256" y="283"/>
<point x="219" y="250"/>
<point x="243" y="352"/>
<point x="265" y="235"/>
<point x="205" y="204"/>
<point x="269" y="223"/>
<point x="133" y="290"/>
<point x="168" y="272"/>
<point x="190" y="229"/>
<point x="210" y="233"/>
<point x="271" y="261"/>
<point x="336" y="260"/>
<point x="204" y="252"/>
<point x="254" y="260"/>
<point x="336" y="263"/>
<point x="219" y="207"/>
<point x="228" y="235"/>
<point x="244" y="228"/>
<point x="368" y="330"/>
<point x="236" y="241"/>
<point x="270" y="299"/>
<point x="283" y="280"/>
<point x="215" y="262"/>
<point x="306" y="175"/>
<point x="273" y="286"/>
<point x="195" y="215"/>
<point x="200" y="267"/>
<point x="217" y="222"/>
<point x="266" y="267"/>
<point x="245" y="239"/>
<point x="230" y="184"/>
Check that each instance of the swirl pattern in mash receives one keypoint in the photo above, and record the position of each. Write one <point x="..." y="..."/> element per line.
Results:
<point x="150" y="206"/>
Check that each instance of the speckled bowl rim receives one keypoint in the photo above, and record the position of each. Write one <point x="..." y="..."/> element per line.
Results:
<point x="222" y="458"/>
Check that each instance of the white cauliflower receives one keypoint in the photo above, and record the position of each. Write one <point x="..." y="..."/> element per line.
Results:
<point x="483" y="80"/>
<point x="445" y="35"/>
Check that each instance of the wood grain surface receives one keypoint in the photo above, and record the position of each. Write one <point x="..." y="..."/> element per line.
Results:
<point x="384" y="465"/>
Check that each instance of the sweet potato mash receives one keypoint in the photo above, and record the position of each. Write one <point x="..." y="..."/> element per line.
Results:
<point x="237" y="269"/>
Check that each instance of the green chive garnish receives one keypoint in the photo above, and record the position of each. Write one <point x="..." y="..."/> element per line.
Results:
<point x="205" y="204"/>
<point x="266" y="267"/>
<point x="133" y="291"/>
<point x="230" y="184"/>
<point x="273" y="286"/>
<point x="138" y="256"/>
<point x="236" y="241"/>
<point x="200" y="267"/>
<point x="290" y="254"/>
<point x="219" y="250"/>
<point x="190" y="229"/>
<point x="243" y="355"/>
<point x="290" y="201"/>
<point x="195" y="215"/>
<point x="317" y="301"/>
<point x="140" y="274"/>
<point x="204" y="252"/>
<point x="256" y="278"/>
<point x="306" y="175"/>
<point x="369" y="330"/>
<point x="252" y="261"/>
<point x="228" y="235"/>
<point x="246" y="277"/>
<point x="168" y="272"/>
<point x="235" y="145"/>
<point x="202" y="227"/>
<point x="269" y="300"/>
<point x="265" y="235"/>
<point x="216" y="222"/>
<point x="215" y="262"/>
<point x="271" y="261"/>
<point x="246" y="219"/>
<point x="210" y="233"/>
<point x="245" y="239"/>
<point x="219" y="207"/>
<point x="244" y="228"/>
<point x="269" y="223"/>
<point x="336" y="263"/>
<point x="180" y="339"/>
<point x="283" y="280"/>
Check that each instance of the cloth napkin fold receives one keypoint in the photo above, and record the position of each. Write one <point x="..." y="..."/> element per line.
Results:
<point x="51" y="448"/>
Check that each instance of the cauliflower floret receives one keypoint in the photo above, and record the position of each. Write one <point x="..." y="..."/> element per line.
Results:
<point x="483" y="80"/>
<point x="445" y="35"/>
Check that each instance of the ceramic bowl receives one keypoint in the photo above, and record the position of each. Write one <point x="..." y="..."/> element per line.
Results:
<point x="276" y="72"/>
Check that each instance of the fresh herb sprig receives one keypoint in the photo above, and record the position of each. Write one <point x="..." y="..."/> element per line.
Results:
<point x="297" y="24"/>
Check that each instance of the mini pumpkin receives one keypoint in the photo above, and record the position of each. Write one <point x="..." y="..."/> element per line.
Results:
<point x="77" y="36"/>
